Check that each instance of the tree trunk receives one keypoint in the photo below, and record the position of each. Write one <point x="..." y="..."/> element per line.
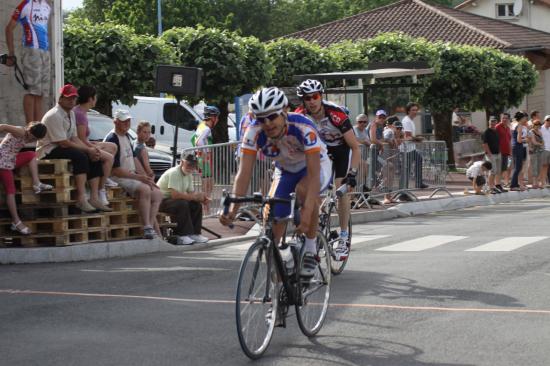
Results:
<point x="444" y="132"/>
<point x="220" y="134"/>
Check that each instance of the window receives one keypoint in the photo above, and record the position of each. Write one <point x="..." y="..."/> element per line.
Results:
<point x="505" y="10"/>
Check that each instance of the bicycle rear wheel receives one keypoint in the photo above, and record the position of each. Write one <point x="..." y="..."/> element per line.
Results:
<point x="337" y="267"/>
<point x="257" y="300"/>
<point x="315" y="292"/>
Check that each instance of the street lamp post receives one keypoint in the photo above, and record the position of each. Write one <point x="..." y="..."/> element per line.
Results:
<point x="159" y="15"/>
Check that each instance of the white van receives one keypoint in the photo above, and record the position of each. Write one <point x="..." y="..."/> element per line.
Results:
<point x="151" y="109"/>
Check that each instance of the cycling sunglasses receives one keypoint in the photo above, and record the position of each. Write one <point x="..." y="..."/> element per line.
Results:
<point x="361" y="121"/>
<point x="271" y="117"/>
<point x="315" y="96"/>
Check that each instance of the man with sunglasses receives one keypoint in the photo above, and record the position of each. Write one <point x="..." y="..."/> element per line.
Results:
<point x="303" y="166"/>
<point x="337" y="133"/>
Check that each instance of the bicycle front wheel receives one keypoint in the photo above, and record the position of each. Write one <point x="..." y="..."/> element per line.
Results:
<point x="257" y="300"/>
<point x="315" y="292"/>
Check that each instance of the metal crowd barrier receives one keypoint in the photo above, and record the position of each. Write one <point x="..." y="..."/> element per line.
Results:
<point x="392" y="171"/>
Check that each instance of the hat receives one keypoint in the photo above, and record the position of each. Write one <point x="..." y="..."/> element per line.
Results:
<point x="68" y="91"/>
<point x="381" y="112"/>
<point x="122" y="115"/>
<point x="547" y="117"/>
<point x="493" y="118"/>
<point x="398" y="124"/>
<point x="189" y="156"/>
<point x="391" y="120"/>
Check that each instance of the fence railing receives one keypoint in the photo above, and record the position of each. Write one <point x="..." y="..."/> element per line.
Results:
<point x="384" y="171"/>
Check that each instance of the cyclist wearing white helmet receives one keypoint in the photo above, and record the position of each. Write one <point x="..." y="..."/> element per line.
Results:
<point x="300" y="155"/>
<point x="337" y="132"/>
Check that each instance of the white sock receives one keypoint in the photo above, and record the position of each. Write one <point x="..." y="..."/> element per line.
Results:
<point x="311" y="245"/>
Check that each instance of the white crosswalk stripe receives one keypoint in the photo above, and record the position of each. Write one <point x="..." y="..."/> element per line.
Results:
<point x="507" y="244"/>
<point x="423" y="243"/>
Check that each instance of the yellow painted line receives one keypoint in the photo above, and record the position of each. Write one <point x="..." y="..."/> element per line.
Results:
<point x="351" y="306"/>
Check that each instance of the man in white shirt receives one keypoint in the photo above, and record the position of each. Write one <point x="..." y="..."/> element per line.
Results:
<point x="130" y="175"/>
<point x="545" y="131"/>
<point x="409" y="144"/>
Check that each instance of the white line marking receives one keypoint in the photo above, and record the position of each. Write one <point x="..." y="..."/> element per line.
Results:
<point x="361" y="238"/>
<point x="166" y="269"/>
<point x="426" y="242"/>
<point x="507" y="244"/>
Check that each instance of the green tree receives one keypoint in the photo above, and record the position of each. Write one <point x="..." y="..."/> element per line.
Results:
<point x="297" y="56"/>
<point x="232" y="65"/>
<point x="113" y="59"/>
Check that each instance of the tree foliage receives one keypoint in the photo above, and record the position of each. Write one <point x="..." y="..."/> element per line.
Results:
<point x="232" y="65"/>
<point x="264" y="19"/>
<point x="297" y="56"/>
<point x="112" y="59"/>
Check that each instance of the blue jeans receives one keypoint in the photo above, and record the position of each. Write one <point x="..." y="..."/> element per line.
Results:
<point x="519" y="153"/>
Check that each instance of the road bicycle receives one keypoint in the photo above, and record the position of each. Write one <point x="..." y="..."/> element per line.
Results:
<point x="327" y="208"/>
<point x="268" y="286"/>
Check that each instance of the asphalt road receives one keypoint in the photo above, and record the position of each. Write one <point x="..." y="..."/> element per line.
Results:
<point x="470" y="287"/>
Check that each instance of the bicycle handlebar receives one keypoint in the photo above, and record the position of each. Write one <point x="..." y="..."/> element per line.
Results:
<point x="227" y="200"/>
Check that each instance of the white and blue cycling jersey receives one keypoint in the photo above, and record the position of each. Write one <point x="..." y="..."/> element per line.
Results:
<point x="33" y="16"/>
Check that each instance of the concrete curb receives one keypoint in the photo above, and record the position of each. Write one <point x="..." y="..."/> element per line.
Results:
<point x="116" y="249"/>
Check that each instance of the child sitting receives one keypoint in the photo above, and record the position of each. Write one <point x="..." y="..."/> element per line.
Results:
<point x="476" y="173"/>
<point x="11" y="158"/>
<point x="143" y="135"/>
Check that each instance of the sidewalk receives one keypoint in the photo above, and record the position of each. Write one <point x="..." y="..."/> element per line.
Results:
<point x="441" y="201"/>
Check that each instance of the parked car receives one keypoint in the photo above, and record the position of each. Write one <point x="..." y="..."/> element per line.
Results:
<point x="101" y="126"/>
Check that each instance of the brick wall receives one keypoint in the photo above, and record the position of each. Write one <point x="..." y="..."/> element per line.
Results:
<point x="11" y="93"/>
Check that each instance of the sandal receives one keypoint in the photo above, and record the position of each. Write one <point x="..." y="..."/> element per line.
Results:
<point x="41" y="187"/>
<point x="21" y="228"/>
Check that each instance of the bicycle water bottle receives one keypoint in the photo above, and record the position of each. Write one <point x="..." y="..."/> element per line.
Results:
<point x="340" y="192"/>
<point x="288" y="259"/>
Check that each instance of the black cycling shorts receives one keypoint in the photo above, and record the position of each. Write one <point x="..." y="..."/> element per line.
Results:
<point x="340" y="156"/>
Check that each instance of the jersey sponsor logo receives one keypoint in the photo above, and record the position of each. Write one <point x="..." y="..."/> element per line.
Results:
<point x="310" y="138"/>
<point x="271" y="151"/>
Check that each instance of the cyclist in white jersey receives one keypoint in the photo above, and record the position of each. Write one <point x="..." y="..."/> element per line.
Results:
<point x="293" y="142"/>
<point x="337" y="132"/>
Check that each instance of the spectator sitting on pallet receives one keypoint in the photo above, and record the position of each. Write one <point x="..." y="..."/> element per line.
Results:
<point x="11" y="158"/>
<point x="62" y="142"/>
<point x="477" y="172"/>
<point x="182" y="202"/>
<point x="130" y="175"/>
<point x="143" y="135"/>
<point x="87" y="99"/>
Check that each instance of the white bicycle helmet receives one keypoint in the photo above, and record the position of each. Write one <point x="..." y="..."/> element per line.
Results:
<point x="267" y="101"/>
<point x="309" y="86"/>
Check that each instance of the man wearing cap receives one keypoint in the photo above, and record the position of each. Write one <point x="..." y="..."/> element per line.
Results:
<point x="203" y="137"/>
<point x="62" y="142"/>
<point x="130" y="175"/>
<point x="410" y="138"/>
<point x="545" y="160"/>
<point x="182" y="202"/>
<point x="33" y="15"/>
<point x="491" y="146"/>
<point x="376" y="129"/>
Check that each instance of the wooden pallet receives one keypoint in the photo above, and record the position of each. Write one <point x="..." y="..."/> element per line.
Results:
<point x="58" y="226"/>
<point x="54" y="166"/>
<point x="44" y="240"/>
<point x="119" y="232"/>
<point x="37" y="211"/>
<point x="24" y="182"/>
<point x="57" y="195"/>
<point x="116" y="193"/>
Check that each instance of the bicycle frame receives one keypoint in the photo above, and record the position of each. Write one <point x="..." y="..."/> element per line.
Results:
<point x="267" y="240"/>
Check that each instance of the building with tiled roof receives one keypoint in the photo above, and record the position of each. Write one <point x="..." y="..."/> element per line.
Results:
<point x="439" y="23"/>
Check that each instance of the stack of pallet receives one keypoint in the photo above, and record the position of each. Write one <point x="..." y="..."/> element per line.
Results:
<point x="53" y="218"/>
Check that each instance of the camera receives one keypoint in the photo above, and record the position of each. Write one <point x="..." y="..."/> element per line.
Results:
<point x="4" y="58"/>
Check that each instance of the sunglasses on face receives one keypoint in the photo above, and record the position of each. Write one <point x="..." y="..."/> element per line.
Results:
<point x="271" y="117"/>
<point x="362" y="121"/>
<point x="307" y="98"/>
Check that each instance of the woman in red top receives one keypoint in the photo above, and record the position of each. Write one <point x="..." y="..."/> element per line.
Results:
<point x="505" y="142"/>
